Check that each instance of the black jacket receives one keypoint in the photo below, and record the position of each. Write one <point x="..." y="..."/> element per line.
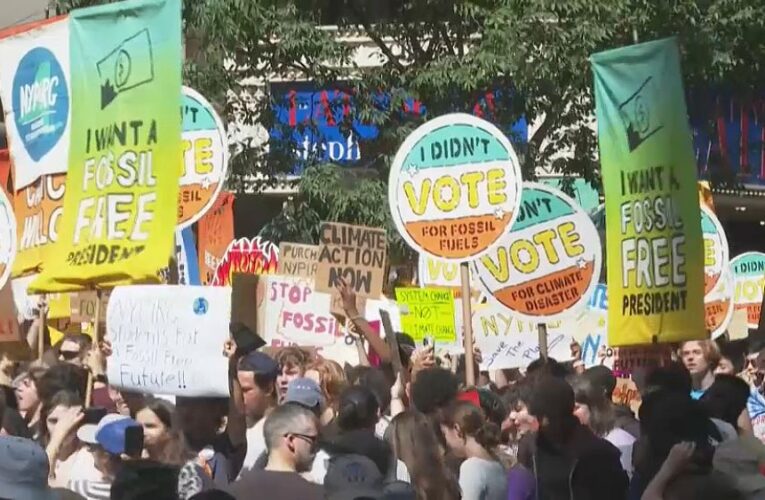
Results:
<point x="585" y="467"/>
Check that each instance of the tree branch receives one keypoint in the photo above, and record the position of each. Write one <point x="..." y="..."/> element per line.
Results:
<point x="375" y="37"/>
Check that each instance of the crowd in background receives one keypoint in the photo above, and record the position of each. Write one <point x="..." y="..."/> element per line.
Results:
<point x="297" y="426"/>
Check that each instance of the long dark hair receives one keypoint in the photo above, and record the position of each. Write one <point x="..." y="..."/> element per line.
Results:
<point x="602" y="416"/>
<point x="175" y="451"/>
<point x="415" y="443"/>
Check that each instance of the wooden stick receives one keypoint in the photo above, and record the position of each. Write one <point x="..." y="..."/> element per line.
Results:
<point x="467" y="321"/>
<point x="41" y="331"/>
<point x="542" y="332"/>
<point x="96" y="330"/>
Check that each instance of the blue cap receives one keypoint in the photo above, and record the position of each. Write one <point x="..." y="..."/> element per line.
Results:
<point x="305" y="392"/>
<point x="259" y="363"/>
<point x="112" y="436"/>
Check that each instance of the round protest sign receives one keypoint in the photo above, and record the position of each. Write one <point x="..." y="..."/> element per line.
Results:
<point x="748" y="279"/>
<point x="718" y="305"/>
<point x="205" y="158"/>
<point x="7" y="238"/>
<point x="715" y="249"/>
<point x="549" y="263"/>
<point x="454" y="187"/>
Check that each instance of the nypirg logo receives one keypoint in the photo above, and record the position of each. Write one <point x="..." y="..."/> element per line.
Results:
<point x="40" y="101"/>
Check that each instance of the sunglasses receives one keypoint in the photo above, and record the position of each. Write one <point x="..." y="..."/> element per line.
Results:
<point x="69" y="355"/>
<point x="311" y="440"/>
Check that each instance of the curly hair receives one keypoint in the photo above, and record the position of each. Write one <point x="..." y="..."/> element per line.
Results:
<point x="331" y="380"/>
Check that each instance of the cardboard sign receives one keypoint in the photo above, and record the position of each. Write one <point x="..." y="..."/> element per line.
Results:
<point x="125" y="147"/>
<point x="653" y="227"/>
<point x="498" y="334"/>
<point x="12" y="341"/>
<point x="626" y="393"/>
<point x="454" y="187"/>
<point x="718" y="305"/>
<point x="715" y="249"/>
<point x="296" y="259"/>
<point x="354" y="253"/>
<point x="248" y="256"/>
<point x="84" y="306"/>
<point x="548" y="265"/>
<point x="205" y="158"/>
<point x="749" y="279"/>
<point x="430" y="313"/>
<point x="168" y="339"/>
<point x="216" y="232"/>
<point x="7" y="238"/>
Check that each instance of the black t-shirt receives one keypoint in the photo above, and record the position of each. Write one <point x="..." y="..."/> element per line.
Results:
<point x="282" y="485"/>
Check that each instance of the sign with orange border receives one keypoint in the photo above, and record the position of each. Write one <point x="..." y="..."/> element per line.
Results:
<point x="7" y="238"/>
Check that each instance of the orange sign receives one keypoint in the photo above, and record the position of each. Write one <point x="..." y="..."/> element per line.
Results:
<point x="216" y="231"/>
<point x="248" y="256"/>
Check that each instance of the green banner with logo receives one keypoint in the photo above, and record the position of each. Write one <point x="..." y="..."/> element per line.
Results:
<point x="653" y="228"/>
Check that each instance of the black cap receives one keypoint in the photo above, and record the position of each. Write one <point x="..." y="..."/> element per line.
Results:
<point x="260" y="363"/>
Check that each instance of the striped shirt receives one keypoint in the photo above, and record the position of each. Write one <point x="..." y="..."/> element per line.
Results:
<point x="91" y="490"/>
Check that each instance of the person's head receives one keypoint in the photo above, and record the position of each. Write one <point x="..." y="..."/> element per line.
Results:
<point x="462" y="422"/>
<point x="306" y="393"/>
<point x="591" y="406"/>
<point x="731" y="360"/>
<point x="331" y="378"/>
<point x="202" y="419"/>
<point x="433" y="389"/>
<point x="552" y="403"/>
<point x="292" y="362"/>
<point x="256" y="373"/>
<point x="603" y="378"/>
<point x="492" y="405"/>
<point x="518" y="421"/>
<point x="359" y="409"/>
<point x="291" y="433"/>
<point x="726" y="398"/>
<point x="62" y="377"/>
<point x="674" y="377"/>
<point x="54" y="408"/>
<point x="545" y="367"/>
<point x="725" y="367"/>
<point x="700" y="356"/>
<point x="414" y="442"/>
<point x="73" y="348"/>
<point x="23" y="469"/>
<point x="375" y="380"/>
<point x="25" y="389"/>
<point x="145" y="479"/>
<point x="113" y="439"/>
<point x="162" y="432"/>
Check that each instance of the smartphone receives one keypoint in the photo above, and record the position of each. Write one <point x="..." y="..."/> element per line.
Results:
<point x="134" y="441"/>
<point x="93" y="415"/>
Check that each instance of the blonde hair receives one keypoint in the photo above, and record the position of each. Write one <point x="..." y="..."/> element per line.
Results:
<point x="332" y="379"/>
<point x="709" y="349"/>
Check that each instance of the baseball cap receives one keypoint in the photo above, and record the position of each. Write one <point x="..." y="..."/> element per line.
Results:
<point x="353" y="476"/>
<point x="23" y="470"/>
<point x="109" y="433"/>
<point x="260" y="363"/>
<point x="305" y="392"/>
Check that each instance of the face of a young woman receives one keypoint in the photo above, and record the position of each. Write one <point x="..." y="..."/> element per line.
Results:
<point x="154" y="431"/>
<point x="582" y="412"/>
<point x="454" y="440"/>
<point x="26" y="395"/>
<point x="522" y="420"/>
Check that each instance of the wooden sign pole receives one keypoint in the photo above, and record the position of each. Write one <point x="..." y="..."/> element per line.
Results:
<point x="542" y="332"/>
<point x="467" y="321"/>
<point x="96" y="332"/>
<point x="41" y="331"/>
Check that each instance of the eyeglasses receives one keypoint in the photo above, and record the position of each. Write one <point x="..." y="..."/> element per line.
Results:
<point x="312" y="440"/>
<point x="68" y="355"/>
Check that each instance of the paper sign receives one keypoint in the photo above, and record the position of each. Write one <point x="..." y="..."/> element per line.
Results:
<point x="454" y="187"/>
<point x="296" y="259"/>
<point x="547" y="266"/>
<point x="205" y="158"/>
<point x="715" y="249"/>
<point x="626" y="393"/>
<point x="9" y="324"/>
<point x="431" y="313"/>
<point x="749" y="278"/>
<point x="653" y="223"/>
<point x="438" y="272"/>
<point x="216" y="232"/>
<point x="248" y="256"/>
<point x="718" y="305"/>
<point x="38" y="208"/>
<point x="497" y="333"/>
<point x="355" y="253"/>
<point x="125" y="152"/>
<point x="738" y="329"/>
<point x="84" y="306"/>
<point x="7" y="238"/>
<point x="168" y="339"/>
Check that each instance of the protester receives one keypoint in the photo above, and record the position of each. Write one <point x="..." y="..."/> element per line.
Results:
<point x="470" y="436"/>
<point x="144" y="479"/>
<point x="204" y="422"/>
<point x="292" y="362"/>
<point x="73" y="348"/>
<point x="291" y="435"/>
<point x="700" y="357"/>
<point x="306" y="393"/>
<point x="356" y="477"/>
<point x="596" y="412"/>
<point x="413" y="441"/>
<point x="566" y="458"/>
<point x="28" y="399"/>
<point x="23" y="470"/>
<point x="331" y="378"/>
<point x="602" y="377"/>
<point x="518" y="421"/>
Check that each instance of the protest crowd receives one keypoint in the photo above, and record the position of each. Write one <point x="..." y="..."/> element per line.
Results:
<point x="148" y="354"/>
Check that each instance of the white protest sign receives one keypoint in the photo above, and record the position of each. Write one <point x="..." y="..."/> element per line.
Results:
<point x="168" y="339"/>
<point x="507" y="341"/>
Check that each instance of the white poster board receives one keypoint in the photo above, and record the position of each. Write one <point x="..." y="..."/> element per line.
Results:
<point x="168" y="339"/>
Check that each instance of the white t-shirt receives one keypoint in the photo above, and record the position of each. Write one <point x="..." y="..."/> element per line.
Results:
<point x="624" y="441"/>
<point x="256" y="446"/>
<point x="483" y="480"/>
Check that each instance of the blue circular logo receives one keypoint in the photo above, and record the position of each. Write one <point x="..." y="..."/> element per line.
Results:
<point x="200" y="306"/>
<point x="40" y="101"/>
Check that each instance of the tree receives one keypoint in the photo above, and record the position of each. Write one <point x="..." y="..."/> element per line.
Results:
<point x="529" y="56"/>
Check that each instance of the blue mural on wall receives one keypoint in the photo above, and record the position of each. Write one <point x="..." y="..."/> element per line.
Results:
<point x="323" y="125"/>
